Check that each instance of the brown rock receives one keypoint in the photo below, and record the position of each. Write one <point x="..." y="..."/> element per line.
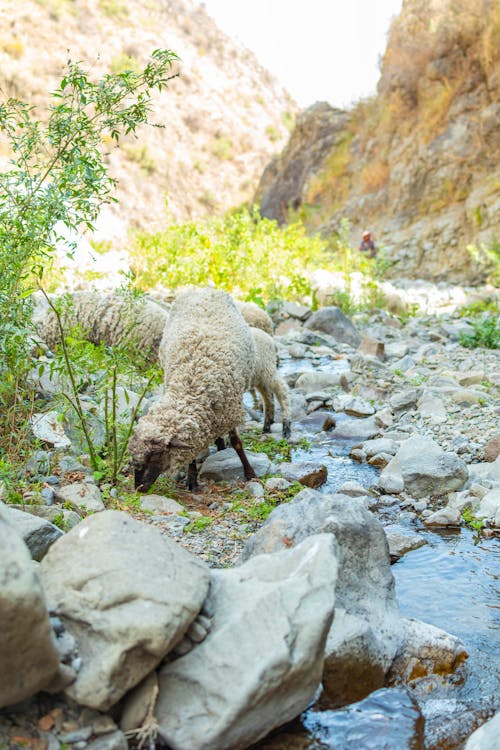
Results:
<point x="492" y="448"/>
<point x="372" y="347"/>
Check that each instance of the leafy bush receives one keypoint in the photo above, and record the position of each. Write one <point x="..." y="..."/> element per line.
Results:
<point x="100" y="370"/>
<point x="486" y="333"/>
<point x="242" y="253"/>
<point x="56" y="178"/>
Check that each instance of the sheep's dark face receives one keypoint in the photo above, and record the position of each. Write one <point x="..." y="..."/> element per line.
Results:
<point x="147" y="473"/>
<point x="151" y="458"/>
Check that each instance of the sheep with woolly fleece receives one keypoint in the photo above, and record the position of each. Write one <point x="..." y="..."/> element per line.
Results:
<point x="255" y="316"/>
<point x="266" y="380"/>
<point x="208" y="356"/>
<point x="112" y="319"/>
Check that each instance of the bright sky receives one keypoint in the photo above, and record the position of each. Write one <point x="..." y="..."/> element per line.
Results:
<point x="321" y="50"/>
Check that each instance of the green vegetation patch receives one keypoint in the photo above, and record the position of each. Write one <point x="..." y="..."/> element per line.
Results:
<point x="486" y="333"/>
<point x="241" y="253"/>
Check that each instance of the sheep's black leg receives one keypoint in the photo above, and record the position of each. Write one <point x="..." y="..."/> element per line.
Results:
<point x="287" y="428"/>
<point x="220" y="443"/>
<point x="238" y="447"/>
<point x="268" y="400"/>
<point x="192" y="477"/>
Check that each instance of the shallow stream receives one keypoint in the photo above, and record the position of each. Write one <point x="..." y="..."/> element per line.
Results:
<point x="452" y="582"/>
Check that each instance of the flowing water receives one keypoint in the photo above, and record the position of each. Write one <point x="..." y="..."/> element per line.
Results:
<point x="453" y="582"/>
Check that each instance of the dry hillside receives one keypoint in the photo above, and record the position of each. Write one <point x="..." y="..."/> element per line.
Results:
<point x="419" y="163"/>
<point x="223" y="117"/>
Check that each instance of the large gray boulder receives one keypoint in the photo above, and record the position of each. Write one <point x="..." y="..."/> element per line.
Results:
<point x="367" y="629"/>
<point x="261" y="664"/>
<point x="127" y="594"/>
<point x="425" y="469"/>
<point x="29" y="659"/>
<point x="331" y="320"/>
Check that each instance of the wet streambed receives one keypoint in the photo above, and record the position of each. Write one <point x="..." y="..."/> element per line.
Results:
<point x="452" y="582"/>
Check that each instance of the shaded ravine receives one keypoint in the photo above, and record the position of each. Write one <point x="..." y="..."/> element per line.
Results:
<point x="452" y="582"/>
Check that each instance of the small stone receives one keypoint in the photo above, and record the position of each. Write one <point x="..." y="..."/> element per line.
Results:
<point x="160" y="505"/>
<point x="48" y="495"/>
<point x="353" y="489"/>
<point x="391" y="484"/>
<point x="380" y="460"/>
<point x="103" y="724"/>
<point x="492" y="449"/>
<point x="357" y="455"/>
<point x="306" y="472"/>
<point x="444" y="517"/>
<point x="82" y="496"/>
<point x="404" y="400"/>
<point x="419" y="505"/>
<point x="255" y="489"/>
<point x="277" y="483"/>
<point x="372" y="347"/>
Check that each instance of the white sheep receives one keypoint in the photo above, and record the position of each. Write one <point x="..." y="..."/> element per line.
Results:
<point x="267" y="381"/>
<point x="208" y="357"/>
<point x="255" y="316"/>
<point x="112" y="319"/>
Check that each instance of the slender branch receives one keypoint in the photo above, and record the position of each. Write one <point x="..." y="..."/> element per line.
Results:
<point x="69" y="368"/>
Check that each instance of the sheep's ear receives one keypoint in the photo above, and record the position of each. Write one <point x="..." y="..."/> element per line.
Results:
<point x="178" y="443"/>
<point x="157" y="446"/>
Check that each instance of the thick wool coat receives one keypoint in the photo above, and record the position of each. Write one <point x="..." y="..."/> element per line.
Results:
<point x="208" y="358"/>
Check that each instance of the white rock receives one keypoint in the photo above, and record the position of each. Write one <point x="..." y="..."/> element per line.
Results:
<point x="426" y="469"/>
<point x="489" y="505"/>
<point x="47" y="427"/>
<point x="486" y="737"/>
<point x="432" y="407"/>
<point x="390" y="484"/>
<point x="82" y="496"/>
<point x="425" y="650"/>
<point x="444" y="517"/>
<point x="160" y="505"/>
<point x="261" y="663"/>
<point x="127" y="594"/>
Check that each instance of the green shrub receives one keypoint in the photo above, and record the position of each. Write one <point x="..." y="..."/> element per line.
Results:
<point x="241" y="253"/>
<point x="486" y="333"/>
<point x="56" y="177"/>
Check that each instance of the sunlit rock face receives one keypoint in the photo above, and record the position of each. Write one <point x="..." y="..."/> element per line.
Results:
<point x="420" y="163"/>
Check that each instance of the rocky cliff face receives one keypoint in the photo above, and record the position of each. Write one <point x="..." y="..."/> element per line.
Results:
<point x="419" y="164"/>
<point x="222" y="118"/>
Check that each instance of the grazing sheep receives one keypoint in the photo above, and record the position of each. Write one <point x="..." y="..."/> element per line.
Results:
<point x="208" y="357"/>
<point x="267" y="381"/>
<point x="255" y="316"/>
<point x="110" y="319"/>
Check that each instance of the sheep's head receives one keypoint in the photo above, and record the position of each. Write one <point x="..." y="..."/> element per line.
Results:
<point x="153" y="455"/>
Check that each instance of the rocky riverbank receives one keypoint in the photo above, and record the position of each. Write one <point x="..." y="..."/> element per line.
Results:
<point x="416" y="417"/>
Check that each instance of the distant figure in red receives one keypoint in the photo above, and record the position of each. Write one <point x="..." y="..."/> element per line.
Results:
<point x="367" y="246"/>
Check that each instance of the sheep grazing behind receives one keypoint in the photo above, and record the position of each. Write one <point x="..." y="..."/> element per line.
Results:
<point x="267" y="381"/>
<point x="208" y="357"/>
<point x="255" y="316"/>
<point x="112" y="319"/>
